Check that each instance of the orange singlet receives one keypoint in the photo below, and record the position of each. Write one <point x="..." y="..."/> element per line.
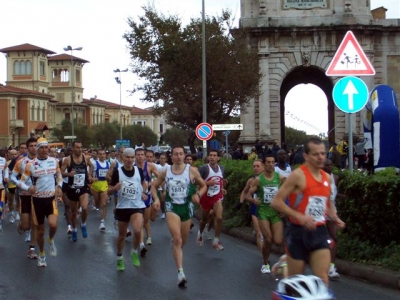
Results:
<point x="314" y="198"/>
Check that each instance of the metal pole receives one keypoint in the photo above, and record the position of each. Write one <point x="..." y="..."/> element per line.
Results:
<point x="350" y="148"/>
<point x="204" y="90"/>
<point x="120" y="106"/>
<point x="72" y="98"/>
<point x="226" y="144"/>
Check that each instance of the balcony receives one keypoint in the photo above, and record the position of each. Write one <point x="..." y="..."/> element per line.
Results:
<point x="17" y="123"/>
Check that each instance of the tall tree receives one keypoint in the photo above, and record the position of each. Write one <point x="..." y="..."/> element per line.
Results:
<point x="176" y="136"/>
<point x="82" y="132"/>
<point x="167" y="55"/>
<point x="106" y="134"/>
<point x="139" y="135"/>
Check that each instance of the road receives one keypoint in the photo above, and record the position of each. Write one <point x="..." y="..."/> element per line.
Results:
<point x="86" y="269"/>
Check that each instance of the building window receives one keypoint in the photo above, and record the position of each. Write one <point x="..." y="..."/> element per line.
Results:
<point x="55" y="74"/>
<point x="64" y="76"/>
<point x="67" y="116"/>
<point x="38" y="113"/>
<point x="17" y="67"/>
<point x="32" y="113"/>
<point x="141" y="123"/>
<point x="161" y="128"/>
<point x="23" y="67"/>
<point x="43" y="114"/>
<point x="28" y="67"/>
<point x="77" y="76"/>
<point x="93" y="118"/>
<point x="13" y="116"/>
<point x="42" y="68"/>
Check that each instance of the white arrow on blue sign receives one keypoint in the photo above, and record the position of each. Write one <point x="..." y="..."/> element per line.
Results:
<point x="350" y="94"/>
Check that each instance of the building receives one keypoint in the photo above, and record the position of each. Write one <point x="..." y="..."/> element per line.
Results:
<point x="44" y="88"/>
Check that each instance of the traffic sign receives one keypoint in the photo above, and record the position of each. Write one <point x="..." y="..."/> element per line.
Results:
<point x="350" y="59"/>
<point x="120" y="143"/>
<point x="350" y="94"/>
<point x="226" y="133"/>
<point x="204" y="131"/>
<point x="69" y="137"/>
<point x="223" y="127"/>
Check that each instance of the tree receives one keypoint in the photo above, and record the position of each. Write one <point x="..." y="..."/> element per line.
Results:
<point x="176" y="136"/>
<point x="168" y="57"/>
<point x="139" y="134"/>
<point x="82" y="132"/>
<point x="295" y="137"/>
<point x="106" y="134"/>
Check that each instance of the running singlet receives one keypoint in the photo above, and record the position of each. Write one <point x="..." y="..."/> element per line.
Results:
<point x="178" y="187"/>
<point x="18" y="170"/>
<point x="214" y="192"/>
<point x="267" y="189"/>
<point x="284" y="173"/>
<point x="42" y="173"/>
<point x="2" y="168"/>
<point x="130" y="194"/>
<point x="101" y="170"/>
<point x="7" y="172"/>
<point x="80" y="178"/>
<point x="147" y="178"/>
<point x="313" y="200"/>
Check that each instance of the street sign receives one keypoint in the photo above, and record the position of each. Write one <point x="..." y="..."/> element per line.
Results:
<point x="223" y="127"/>
<point x="125" y="143"/>
<point x="226" y="133"/>
<point x="350" y="59"/>
<point x="69" y="137"/>
<point x="204" y="131"/>
<point x="350" y="94"/>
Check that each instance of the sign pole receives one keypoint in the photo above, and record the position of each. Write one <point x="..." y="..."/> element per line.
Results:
<point x="203" y="66"/>
<point x="226" y="143"/>
<point x="350" y="145"/>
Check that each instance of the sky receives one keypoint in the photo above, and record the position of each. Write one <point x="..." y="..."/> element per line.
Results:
<point x="98" y="26"/>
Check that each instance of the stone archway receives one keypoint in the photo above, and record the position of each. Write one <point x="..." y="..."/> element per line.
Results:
<point x="308" y="75"/>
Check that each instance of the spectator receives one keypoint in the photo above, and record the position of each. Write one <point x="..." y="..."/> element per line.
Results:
<point x="335" y="156"/>
<point x="228" y="155"/>
<point x="291" y="156"/>
<point x="369" y="162"/>
<point x="238" y="154"/>
<point x="298" y="157"/>
<point x="267" y="150"/>
<point x="343" y="149"/>
<point x="253" y="155"/>
<point x="275" y="149"/>
<point x="199" y="153"/>
<point x="259" y="147"/>
<point x="360" y="153"/>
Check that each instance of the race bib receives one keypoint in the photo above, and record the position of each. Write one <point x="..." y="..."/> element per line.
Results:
<point x="177" y="189"/>
<point x="129" y="189"/>
<point x="316" y="208"/>
<point x="79" y="180"/>
<point x="102" y="172"/>
<point x="213" y="190"/>
<point x="269" y="193"/>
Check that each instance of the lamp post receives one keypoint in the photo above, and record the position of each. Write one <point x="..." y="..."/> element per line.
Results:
<point x="204" y="83"/>
<point x="69" y="48"/>
<point x="118" y="80"/>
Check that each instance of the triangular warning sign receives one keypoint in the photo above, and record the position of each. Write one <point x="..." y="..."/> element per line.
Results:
<point x="350" y="59"/>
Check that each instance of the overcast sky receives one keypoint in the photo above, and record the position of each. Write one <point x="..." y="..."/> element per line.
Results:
<point x="98" y="26"/>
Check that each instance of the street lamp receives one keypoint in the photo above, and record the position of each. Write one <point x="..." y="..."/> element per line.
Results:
<point x="69" y="48"/>
<point x="118" y="80"/>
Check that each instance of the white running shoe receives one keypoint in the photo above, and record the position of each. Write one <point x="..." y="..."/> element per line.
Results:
<point x="265" y="269"/>
<point x="199" y="238"/>
<point x="102" y="226"/>
<point x="17" y="216"/>
<point x="28" y="236"/>
<point x="333" y="274"/>
<point x="163" y="216"/>
<point x="148" y="241"/>
<point x="181" y="279"/>
<point x="206" y="235"/>
<point x="42" y="261"/>
<point x="52" y="248"/>
<point x="69" y="229"/>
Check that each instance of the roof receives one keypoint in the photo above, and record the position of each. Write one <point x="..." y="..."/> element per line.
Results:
<point x="7" y="89"/>
<point x="105" y="103"/>
<point x="41" y="127"/>
<point x="379" y="8"/>
<point x="62" y="57"/>
<point x="26" y="47"/>
<point x="141" y="111"/>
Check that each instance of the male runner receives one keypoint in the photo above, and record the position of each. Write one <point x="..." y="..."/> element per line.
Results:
<point x="100" y="186"/>
<point x="306" y="236"/>
<point x="161" y="190"/>
<point x="67" y="208"/>
<point x="181" y="180"/>
<point x="282" y="166"/>
<point x="14" y="213"/>
<point x="128" y="181"/>
<point x="149" y="169"/>
<point x="26" y="222"/>
<point x="75" y="167"/>
<point x="266" y="186"/>
<point x="213" y="175"/>
<point x="3" y="164"/>
<point x="38" y="180"/>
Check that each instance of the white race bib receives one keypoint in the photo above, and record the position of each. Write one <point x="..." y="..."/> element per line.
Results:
<point x="177" y="189"/>
<point x="213" y="190"/>
<point x="316" y="208"/>
<point x="102" y="172"/>
<point x="269" y="193"/>
<point x="79" y="180"/>
<point x="129" y="189"/>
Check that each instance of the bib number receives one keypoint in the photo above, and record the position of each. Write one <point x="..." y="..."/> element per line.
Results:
<point x="79" y="180"/>
<point x="129" y="189"/>
<point x="316" y="208"/>
<point x="269" y="193"/>
<point x="213" y="190"/>
<point x="177" y="189"/>
<point x="102" y="173"/>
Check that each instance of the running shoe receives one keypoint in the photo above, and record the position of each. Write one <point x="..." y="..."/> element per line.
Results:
<point x="52" y="247"/>
<point x="102" y="226"/>
<point x="42" y="261"/>
<point x="120" y="264"/>
<point x="12" y="217"/>
<point x="28" y="236"/>
<point x="148" y="241"/>
<point x="17" y="216"/>
<point x="143" y="250"/>
<point x="135" y="258"/>
<point x="94" y="207"/>
<point x="265" y="269"/>
<point x="206" y="235"/>
<point x="69" y="230"/>
<point x="74" y="235"/>
<point x="333" y="274"/>
<point x="218" y="246"/>
<point x="199" y="238"/>
<point x="32" y="254"/>
<point x="163" y="216"/>
<point x="19" y="229"/>
<point x="181" y="279"/>
<point x="84" y="231"/>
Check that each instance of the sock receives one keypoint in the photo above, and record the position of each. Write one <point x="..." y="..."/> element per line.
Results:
<point x="216" y="240"/>
<point x="332" y="264"/>
<point x="134" y="251"/>
<point x="102" y="221"/>
<point x="42" y="254"/>
<point x="119" y="256"/>
<point x="142" y="245"/>
<point x="180" y="270"/>
<point x="83" y="224"/>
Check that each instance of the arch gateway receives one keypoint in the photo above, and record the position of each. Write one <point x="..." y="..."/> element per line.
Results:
<point x="296" y="41"/>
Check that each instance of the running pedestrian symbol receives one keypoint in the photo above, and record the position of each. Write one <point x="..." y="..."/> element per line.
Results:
<point x="204" y="131"/>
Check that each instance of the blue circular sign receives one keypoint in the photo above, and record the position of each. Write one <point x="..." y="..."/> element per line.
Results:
<point x="350" y="94"/>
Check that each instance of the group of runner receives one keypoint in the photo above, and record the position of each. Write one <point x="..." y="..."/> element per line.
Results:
<point x="141" y="188"/>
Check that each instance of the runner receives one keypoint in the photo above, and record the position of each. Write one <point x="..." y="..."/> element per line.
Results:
<point x="306" y="236"/>
<point x="258" y="168"/>
<point x="26" y="221"/>
<point x="161" y="190"/>
<point x="282" y="166"/>
<point x="213" y="175"/>
<point x="65" y="200"/>
<point x="38" y="180"/>
<point x="11" y="187"/>
<point x="181" y="180"/>
<point x="75" y="168"/>
<point x="149" y="169"/>
<point x="99" y="186"/>
<point x="266" y="185"/>
<point x="128" y="181"/>
<point x="3" y="164"/>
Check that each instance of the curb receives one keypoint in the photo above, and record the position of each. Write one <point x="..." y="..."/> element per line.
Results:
<point x="376" y="275"/>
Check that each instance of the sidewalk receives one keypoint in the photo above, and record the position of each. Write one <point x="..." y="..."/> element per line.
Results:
<point x="376" y="275"/>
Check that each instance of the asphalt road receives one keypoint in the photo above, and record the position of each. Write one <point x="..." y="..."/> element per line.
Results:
<point x="86" y="269"/>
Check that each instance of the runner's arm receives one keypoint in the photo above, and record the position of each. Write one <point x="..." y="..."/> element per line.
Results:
<point x="64" y="167"/>
<point x="91" y="169"/>
<point x="252" y="189"/>
<point x="23" y="183"/>
<point x="201" y="185"/>
<point x="114" y="185"/>
<point x="15" y="172"/>
<point x="110" y="171"/>
<point x="156" y="183"/>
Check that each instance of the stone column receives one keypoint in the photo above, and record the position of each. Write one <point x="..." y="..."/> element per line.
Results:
<point x="264" y="99"/>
